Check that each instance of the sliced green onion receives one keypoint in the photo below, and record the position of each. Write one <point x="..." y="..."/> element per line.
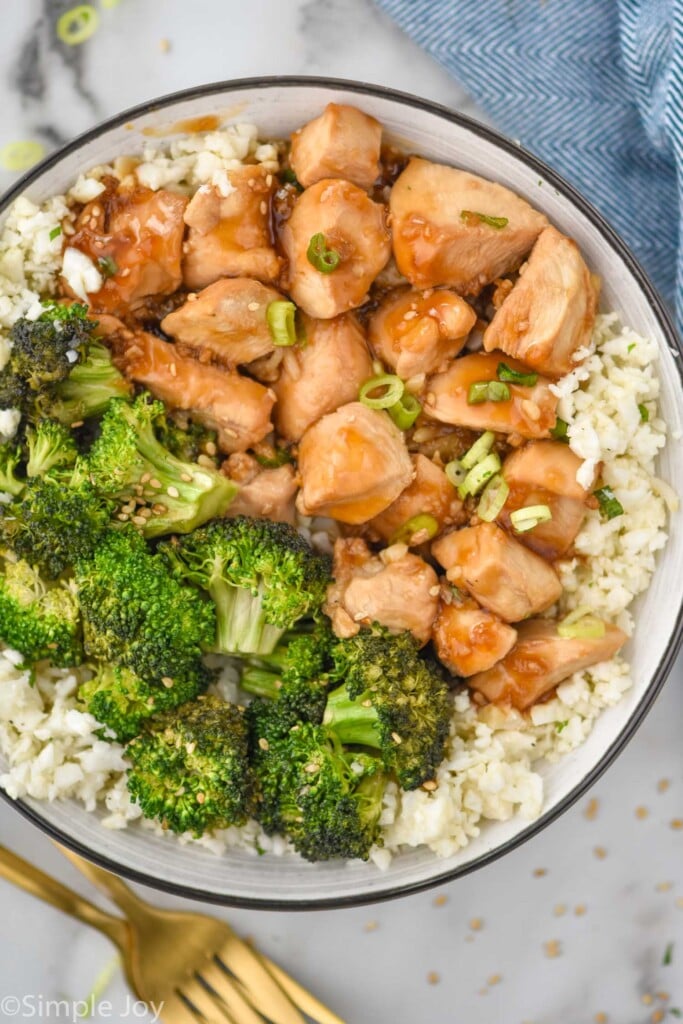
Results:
<point x="524" y="519"/>
<point x="493" y="498"/>
<point x="108" y="266"/>
<point x="405" y="411"/>
<point x="418" y="524"/>
<point x="455" y="472"/>
<point x="78" y="24"/>
<point x="559" y="431"/>
<point x="290" y="178"/>
<point x="393" y="391"/>
<point x="581" y="623"/>
<point x="55" y="233"/>
<point x="505" y="372"/>
<point x="487" y="391"/>
<point x="610" y="506"/>
<point x="20" y="155"/>
<point x="281" y="320"/>
<point x="481" y="447"/>
<point x="479" y="475"/>
<point x="470" y="216"/>
<point x="319" y="256"/>
<point x="644" y="413"/>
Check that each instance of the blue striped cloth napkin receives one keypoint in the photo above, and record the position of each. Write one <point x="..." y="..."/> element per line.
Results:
<point x="593" y="87"/>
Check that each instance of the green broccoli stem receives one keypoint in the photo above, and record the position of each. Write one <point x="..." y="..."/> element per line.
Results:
<point x="242" y="627"/>
<point x="89" y="387"/>
<point x="353" y="721"/>
<point x="370" y="794"/>
<point x="260" y="682"/>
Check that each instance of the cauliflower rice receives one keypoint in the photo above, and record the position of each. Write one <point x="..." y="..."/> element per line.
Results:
<point x="50" y="748"/>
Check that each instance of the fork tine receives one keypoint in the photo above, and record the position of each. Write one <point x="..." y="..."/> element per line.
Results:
<point x="176" y="1011"/>
<point x="241" y="960"/>
<point x="300" y="996"/>
<point x="223" y="985"/>
<point x="206" y="1004"/>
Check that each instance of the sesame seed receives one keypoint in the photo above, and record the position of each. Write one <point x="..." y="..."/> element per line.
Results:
<point x="146" y="513"/>
<point x="434" y="591"/>
<point x="676" y="823"/>
<point x="476" y="924"/>
<point x="190" y="747"/>
<point x="159" y="510"/>
<point x="186" y="478"/>
<point x="591" y="811"/>
<point x="580" y="909"/>
<point x="145" y="478"/>
<point x="311" y="768"/>
<point x="441" y="900"/>
<point x="663" y="785"/>
<point x="263" y="207"/>
<point x="600" y="852"/>
<point x="540" y="872"/>
<point x="173" y="492"/>
<point x="139" y="520"/>
<point x="200" y="798"/>
<point x="78" y="423"/>
<point x="366" y="703"/>
<point x="657" y="1016"/>
<point x="430" y="785"/>
<point x="396" y="738"/>
<point x="560" y="909"/>
<point x="205" y="461"/>
<point x="531" y="409"/>
<point x="167" y="681"/>
<point x="122" y="517"/>
<point x="495" y="979"/>
<point x="156" y="484"/>
<point x="641" y="813"/>
<point x="253" y="306"/>
<point x="264" y="744"/>
<point x="210" y="448"/>
<point x="174" y="369"/>
<point x="601" y="1018"/>
<point x="164" y="45"/>
<point x="433" y="977"/>
<point x="664" y="886"/>
<point x="552" y="948"/>
<point x="370" y="926"/>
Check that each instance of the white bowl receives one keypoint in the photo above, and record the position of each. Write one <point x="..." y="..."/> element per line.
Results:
<point x="278" y="106"/>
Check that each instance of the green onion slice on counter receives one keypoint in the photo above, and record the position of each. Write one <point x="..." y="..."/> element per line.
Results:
<point x="78" y="24"/>
<point x="581" y="623"/>
<point x="487" y="391"/>
<point x="524" y="519"/>
<point x="405" y="411"/>
<point x="281" y="320"/>
<point x="319" y="256"/>
<point x="473" y="217"/>
<point x="493" y="498"/>
<point x="610" y="506"/>
<point x="391" y="386"/>
<point x="506" y="373"/>
<point x="481" y="447"/>
<point x="479" y="475"/>
<point x="419" y="524"/>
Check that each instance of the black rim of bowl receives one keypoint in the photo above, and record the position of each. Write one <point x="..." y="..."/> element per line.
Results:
<point x="669" y="332"/>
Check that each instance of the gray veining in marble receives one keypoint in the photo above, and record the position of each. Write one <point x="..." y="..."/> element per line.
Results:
<point x="371" y="964"/>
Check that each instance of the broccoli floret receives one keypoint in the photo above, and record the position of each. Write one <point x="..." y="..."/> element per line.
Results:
<point x="122" y="701"/>
<point x="135" y="614"/>
<point x="390" y="700"/>
<point x="50" y="446"/>
<point x="91" y="384"/>
<point x="129" y="464"/>
<point x="37" y="620"/>
<point x="43" y="352"/>
<point x="55" y="523"/>
<point x="190" y="767"/>
<point x="295" y="675"/>
<point x="10" y="460"/>
<point x="327" y="800"/>
<point x="262" y="577"/>
<point x="188" y="443"/>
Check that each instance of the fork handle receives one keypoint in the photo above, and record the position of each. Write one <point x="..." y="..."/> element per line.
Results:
<point x="111" y="885"/>
<point x="21" y="873"/>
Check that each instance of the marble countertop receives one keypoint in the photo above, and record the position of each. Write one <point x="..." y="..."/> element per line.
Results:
<point x="568" y="928"/>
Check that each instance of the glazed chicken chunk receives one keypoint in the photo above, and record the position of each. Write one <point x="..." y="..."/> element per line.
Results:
<point x="470" y="639"/>
<point x="417" y="332"/>
<point x="134" y="238"/>
<point x="229" y="235"/>
<point x="320" y="375"/>
<point x="453" y="228"/>
<point x="529" y="411"/>
<point x="396" y="589"/>
<point x="550" y="313"/>
<point x="544" y="473"/>
<point x="263" y="493"/>
<point x="226" y="321"/>
<point x="499" y="572"/>
<point x="429" y="494"/>
<point x="353" y="464"/>
<point x="354" y="228"/>
<point x="540" y="660"/>
<point x="236" y="407"/>
<point x="342" y="143"/>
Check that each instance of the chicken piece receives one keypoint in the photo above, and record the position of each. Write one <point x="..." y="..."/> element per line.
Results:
<point x="540" y="660"/>
<point x="353" y="464"/>
<point x="342" y="143"/>
<point x="429" y="493"/>
<point x="237" y="408"/>
<point x="268" y="494"/>
<point x="134" y="237"/>
<point x="417" y="332"/>
<point x="397" y="589"/>
<point x="230" y="235"/>
<point x="321" y="375"/>
<point x="498" y="571"/>
<point x="469" y="639"/>
<point x="550" y="313"/>
<point x="354" y="227"/>
<point x="226" y="321"/>
<point x="439" y="236"/>
<point x="529" y="412"/>
<point x="544" y="473"/>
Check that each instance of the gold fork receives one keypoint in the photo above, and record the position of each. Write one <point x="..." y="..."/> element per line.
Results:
<point x="178" y="960"/>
